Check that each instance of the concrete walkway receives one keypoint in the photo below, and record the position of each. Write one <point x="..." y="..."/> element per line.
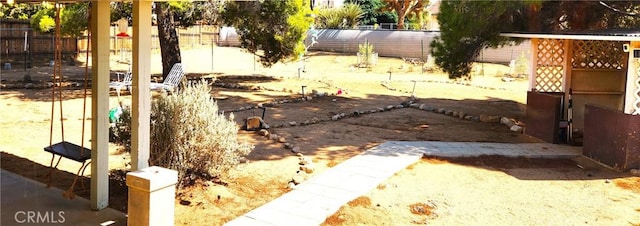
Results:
<point x="321" y="196"/>
<point x="27" y="202"/>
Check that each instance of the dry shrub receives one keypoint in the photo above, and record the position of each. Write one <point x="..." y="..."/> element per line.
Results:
<point x="363" y="201"/>
<point x="189" y="135"/>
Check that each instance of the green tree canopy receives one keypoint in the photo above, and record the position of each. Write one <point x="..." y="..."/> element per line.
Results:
<point x="21" y="11"/>
<point x="272" y="30"/>
<point x="403" y="8"/>
<point x="372" y="13"/>
<point x="468" y="26"/>
<point x="75" y="19"/>
<point x="463" y="35"/>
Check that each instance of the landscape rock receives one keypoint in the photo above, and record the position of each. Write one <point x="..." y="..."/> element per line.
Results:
<point x="441" y="110"/>
<point x="516" y="128"/>
<point x="273" y="137"/>
<point x="335" y="117"/>
<point x="468" y="117"/>
<point x="303" y="159"/>
<point x="448" y="112"/>
<point x="295" y="149"/>
<point x="399" y="106"/>
<point x="288" y="146"/>
<point x="422" y="107"/>
<point x="263" y="132"/>
<point x="298" y="178"/>
<point x="291" y="185"/>
<point x="314" y="120"/>
<point x="414" y="105"/>
<point x="389" y="107"/>
<point x="293" y="123"/>
<point x="282" y="139"/>
<point x="507" y="122"/>
<point x="455" y="114"/>
<point x="461" y="115"/>
<point x="308" y="168"/>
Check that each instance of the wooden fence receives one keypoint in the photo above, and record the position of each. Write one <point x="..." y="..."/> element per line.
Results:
<point x="22" y="45"/>
<point x="191" y="37"/>
<point x="39" y="47"/>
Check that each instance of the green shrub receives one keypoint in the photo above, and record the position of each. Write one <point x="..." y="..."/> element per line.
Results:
<point x="189" y="135"/>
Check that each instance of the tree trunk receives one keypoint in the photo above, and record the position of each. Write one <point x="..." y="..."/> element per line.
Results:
<point x="168" y="37"/>
<point x="401" y="15"/>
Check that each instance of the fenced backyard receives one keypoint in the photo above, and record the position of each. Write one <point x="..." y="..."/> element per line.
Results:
<point x="23" y="46"/>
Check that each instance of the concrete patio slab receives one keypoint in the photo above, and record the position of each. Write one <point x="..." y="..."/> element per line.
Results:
<point x="27" y="202"/>
<point x="319" y="197"/>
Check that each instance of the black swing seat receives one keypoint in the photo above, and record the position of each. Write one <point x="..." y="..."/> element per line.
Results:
<point x="70" y="151"/>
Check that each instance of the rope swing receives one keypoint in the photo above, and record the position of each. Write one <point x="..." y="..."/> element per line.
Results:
<point x="66" y="149"/>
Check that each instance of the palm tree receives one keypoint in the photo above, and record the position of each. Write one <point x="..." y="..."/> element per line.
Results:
<point x="351" y="14"/>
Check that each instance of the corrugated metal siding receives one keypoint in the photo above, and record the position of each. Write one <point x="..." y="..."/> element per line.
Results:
<point x="389" y="43"/>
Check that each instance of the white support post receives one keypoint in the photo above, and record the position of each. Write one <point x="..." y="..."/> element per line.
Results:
<point x="534" y="64"/>
<point x="100" y="104"/>
<point x="141" y="94"/>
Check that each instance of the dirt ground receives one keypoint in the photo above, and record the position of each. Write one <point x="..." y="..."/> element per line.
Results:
<point x="434" y="191"/>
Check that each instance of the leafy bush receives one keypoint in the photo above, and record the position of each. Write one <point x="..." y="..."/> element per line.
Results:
<point x="43" y="21"/>
<point x="189" y="135"/>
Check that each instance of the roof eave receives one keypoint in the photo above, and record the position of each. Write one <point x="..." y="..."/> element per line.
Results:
<point x="572" y="37"/>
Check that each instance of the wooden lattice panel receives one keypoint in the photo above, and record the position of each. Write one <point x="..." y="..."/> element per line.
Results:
<point x="550" y="65"/>
<point x="593" y="54"/>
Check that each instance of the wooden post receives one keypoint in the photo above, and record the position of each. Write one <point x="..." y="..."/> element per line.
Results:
<point x="141" y="94"/>
<point x="100" y="104"/>
<point x="534" y="64"/>
<point x="567" y="72"/>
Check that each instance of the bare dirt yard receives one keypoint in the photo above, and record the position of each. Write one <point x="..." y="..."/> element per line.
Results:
<point x="478" y="191"/>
